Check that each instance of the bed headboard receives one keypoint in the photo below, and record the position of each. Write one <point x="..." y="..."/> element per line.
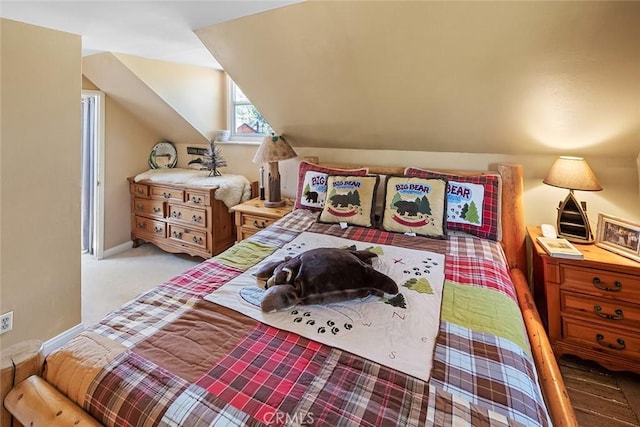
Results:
<point x="513" y="223"/>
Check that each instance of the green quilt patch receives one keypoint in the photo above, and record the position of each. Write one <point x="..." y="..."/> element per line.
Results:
<point x="483" y="310"/>
<point x="245" y="254"/>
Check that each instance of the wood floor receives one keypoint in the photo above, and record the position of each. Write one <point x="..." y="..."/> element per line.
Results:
<point x="601" y="397"/>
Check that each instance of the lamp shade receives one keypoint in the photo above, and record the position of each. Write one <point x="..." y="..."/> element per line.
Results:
<point x="573" y="173"/>
<point x="273" y="149"/>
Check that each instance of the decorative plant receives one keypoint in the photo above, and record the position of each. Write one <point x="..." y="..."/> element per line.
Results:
<point x="213" y="160"/>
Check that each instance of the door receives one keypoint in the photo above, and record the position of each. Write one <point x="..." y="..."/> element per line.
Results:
<point x="92" y="199"/>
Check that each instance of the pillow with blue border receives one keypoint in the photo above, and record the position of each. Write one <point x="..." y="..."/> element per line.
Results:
<point x="312" y="184"/>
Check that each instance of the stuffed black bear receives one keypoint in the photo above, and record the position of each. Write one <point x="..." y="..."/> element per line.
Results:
<point x="322" y="275"/>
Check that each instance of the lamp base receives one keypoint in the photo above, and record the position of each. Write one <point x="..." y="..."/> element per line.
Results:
<point x="275" y="201"/>
<point x="573" y="223"/>
<point x="278" y="204"/>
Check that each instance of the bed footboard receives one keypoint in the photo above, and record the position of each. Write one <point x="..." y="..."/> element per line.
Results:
<point x="34" y="402"/>
<point x="553" y="388"/>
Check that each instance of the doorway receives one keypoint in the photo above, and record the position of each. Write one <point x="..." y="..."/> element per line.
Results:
<point x="92" y="184"/>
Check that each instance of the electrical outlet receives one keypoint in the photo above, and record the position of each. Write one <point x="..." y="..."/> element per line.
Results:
<point x="6" y="322"/>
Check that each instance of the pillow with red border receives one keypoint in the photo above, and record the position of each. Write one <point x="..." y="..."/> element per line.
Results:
<point x="474" y="202"/>
<point x="312" y="184"/>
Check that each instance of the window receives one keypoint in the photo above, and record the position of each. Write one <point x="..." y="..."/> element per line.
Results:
<point x="245" y="121"/>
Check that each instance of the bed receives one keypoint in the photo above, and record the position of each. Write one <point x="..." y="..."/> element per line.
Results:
<point x="196" y="351"/>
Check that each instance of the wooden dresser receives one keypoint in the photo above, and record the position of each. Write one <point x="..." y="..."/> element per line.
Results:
<point x="592" y="305"/>
<point x="180" y="219"/>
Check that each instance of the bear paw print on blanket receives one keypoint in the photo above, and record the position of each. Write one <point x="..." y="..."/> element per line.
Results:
<point x="323" y="327"/>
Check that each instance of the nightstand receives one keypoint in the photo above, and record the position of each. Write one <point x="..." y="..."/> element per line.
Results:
<point x="591" y="306"/>
<point x="252" y="216"/>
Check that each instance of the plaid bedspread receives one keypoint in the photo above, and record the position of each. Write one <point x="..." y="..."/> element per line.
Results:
<point x="171" y="358"/>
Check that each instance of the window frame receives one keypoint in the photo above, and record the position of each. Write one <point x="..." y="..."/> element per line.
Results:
<point x="231" y="104"/>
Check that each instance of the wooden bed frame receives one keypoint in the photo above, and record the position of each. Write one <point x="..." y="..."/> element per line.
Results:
<point x="55" y="409"/>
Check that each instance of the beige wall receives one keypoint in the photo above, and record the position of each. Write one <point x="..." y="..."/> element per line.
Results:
<point x="181" y="103"/>
<point x="195" y="93"/>
<point x="513" y="77"/>
<point x="127" y="146"/>
<point x="40" y="175"/>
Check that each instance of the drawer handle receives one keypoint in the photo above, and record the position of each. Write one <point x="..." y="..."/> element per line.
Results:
<point x="621" y="344"/>
<point x="156" y="210"/>
<point x="139" y="191"/>
<point x="196" y="199"/>
<point x="261" y="225"/>
<point x="166" y="195"/>
<point x="139" y="207"/>
<point x="603" y="287"/>
<point x="142" y="225"/>
<point x="196" y="218"/>
<point x="617" y="316"/>
<point x="176" y="214"/>
<point x="197" y="240"/>
<point x="177" y="235"/>
<point x="157" y="229"/>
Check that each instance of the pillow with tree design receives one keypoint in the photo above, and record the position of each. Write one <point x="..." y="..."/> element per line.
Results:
<point x="350" y="200"/>
<point x="474" y="202"/>
<point x="312" y="184"/>
<point x="415" y="205"/>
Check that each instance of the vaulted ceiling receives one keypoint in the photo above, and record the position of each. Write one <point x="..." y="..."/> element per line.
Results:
<point x="486" y="77"/>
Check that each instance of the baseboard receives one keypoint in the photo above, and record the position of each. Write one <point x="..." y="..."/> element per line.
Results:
<point x="59" y="340"/>
<point x="117" y="249"/>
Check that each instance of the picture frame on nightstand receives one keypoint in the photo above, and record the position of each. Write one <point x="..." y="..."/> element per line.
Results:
<point x="619" y="236"/>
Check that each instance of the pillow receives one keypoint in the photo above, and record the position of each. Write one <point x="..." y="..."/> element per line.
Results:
<point x="312" y="184"/>
<point x="415" y="205"/>
<point x="474" y="202"/>
<point x="350" y="199"/>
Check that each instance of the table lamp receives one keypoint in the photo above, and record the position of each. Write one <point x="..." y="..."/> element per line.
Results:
<point x="575" y="174"/>
<point x="273" y="149"/>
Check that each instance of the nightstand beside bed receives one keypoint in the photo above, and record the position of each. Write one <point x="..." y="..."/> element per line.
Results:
<point x="591" y="306"/>
<point x="252" y="216"/>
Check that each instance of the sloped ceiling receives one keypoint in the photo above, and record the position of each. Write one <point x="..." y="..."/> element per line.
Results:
<point x="486" y="77"/>
<point x="183" y="103"/>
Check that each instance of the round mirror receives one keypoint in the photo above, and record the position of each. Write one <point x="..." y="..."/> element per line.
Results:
<point x="163" y="155"/>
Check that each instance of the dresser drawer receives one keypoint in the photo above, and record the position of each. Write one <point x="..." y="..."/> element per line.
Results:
<point x="188" y="236"/>
<point x="589" y="308"/>
<point x="597" y="282"/>
<point x="197" y="198"/>
<point x="192" y="216"/>
<point x="255" y="223"/>
<point x="154" y="208"/>
<point x="608" y="340"/>
<point x="167" y="193"/>
<point x="150" y="226"/>
<point x="140" y="190"/>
